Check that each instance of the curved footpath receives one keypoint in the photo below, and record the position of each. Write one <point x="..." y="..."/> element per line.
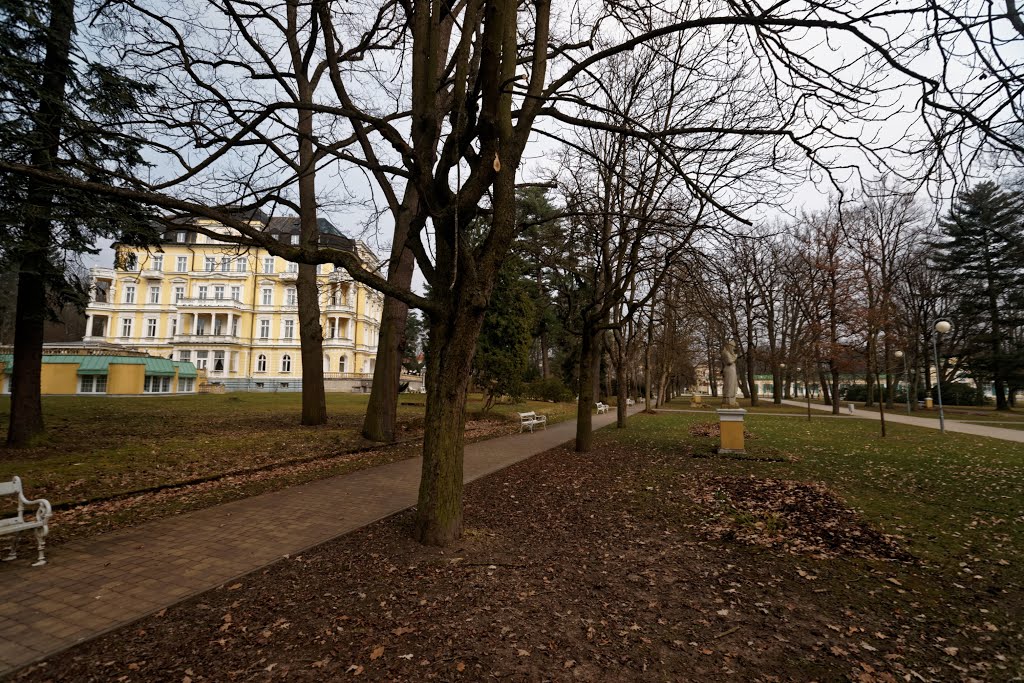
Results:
<point x="928" y="422"/>
<point x="97" y="584"/>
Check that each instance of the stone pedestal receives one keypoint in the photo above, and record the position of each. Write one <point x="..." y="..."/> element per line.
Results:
<point x="696" y="401"/>
<point x="730" y="423"/>
<point x="928" y="403"/>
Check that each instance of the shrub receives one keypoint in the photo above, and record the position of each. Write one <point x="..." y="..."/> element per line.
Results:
<point x="550" y="389"/>
<point x="959" y="394"/>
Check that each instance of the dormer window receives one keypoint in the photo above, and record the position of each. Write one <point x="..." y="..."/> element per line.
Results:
<point x="295" y="239"/>
<point x="179" y="237"/>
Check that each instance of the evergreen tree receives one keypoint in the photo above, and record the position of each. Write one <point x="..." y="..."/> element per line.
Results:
<point x="982" y="252"/>
<point x="503" y="347"/>
<point x="59" y="113"/>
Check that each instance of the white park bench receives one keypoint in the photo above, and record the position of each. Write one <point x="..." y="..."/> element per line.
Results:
<point x="629" y="402"/>
<point x="530" y="420"/>
<point x="13" y="526"/>
<point x="601" y="407"/>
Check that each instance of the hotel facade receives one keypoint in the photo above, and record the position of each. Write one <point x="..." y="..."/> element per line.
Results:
<point x="232" y="311"/>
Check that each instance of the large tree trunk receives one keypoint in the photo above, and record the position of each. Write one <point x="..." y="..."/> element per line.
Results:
<point x="34" y="249"/>
<point x="311" y="338"/>
<point x="382" y="408"/>
<point x="449" y="359"/>
<point x="621" y="384"/>
<point x="834" y="390"/>
<point x="311" y="335"/>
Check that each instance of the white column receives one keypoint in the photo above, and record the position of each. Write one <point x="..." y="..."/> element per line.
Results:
<point x="231" y="320"/>
<point x="88" y="327"/>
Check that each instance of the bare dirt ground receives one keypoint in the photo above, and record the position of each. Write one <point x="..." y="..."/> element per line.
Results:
<point x="619" y="565"/>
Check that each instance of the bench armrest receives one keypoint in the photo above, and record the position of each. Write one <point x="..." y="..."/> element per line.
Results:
<point x="43" y="508"/>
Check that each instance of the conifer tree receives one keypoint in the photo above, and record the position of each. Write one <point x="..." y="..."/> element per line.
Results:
<point x="59" y="112"/>
<point x="982" y="252"/>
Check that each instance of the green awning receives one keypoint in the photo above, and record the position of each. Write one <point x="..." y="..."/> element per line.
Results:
<point x="93" y="365"/>
<point x="185" y="369"/>
<point x="161" y="367"/>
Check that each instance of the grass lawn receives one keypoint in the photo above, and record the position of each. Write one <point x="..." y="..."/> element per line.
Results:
<point x="712" y="403"/>
<point x="651" y="558"/>
<point x="961" y="413"/>
<point x="99" y="447"/>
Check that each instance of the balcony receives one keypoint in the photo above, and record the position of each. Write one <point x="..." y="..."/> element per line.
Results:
<point x="207" y="339"/>
<point x="340" y="307"/>
<point x="334" y="342"/>
<point x="149" y="274"/>
<point x="275" y="341"/>
<point x="339" y="275"/>
<point x="194" y="302"/>
<point x="288" y="276"/>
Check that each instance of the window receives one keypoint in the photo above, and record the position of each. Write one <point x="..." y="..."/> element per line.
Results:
<point x="179" y="293"/>
<point x="294" y="239"/>
<point x="174" y="326"/>
<point x="268" y="296"/>
<point x="236" y="293"/>
<point x="126" y="327"/>
<point x="158" y="262"/>
<point x="218" y="361"/>
<point x="293" y="267"/>
<point x="264" y="329"/>
<point x="156" y="385"/>
<point x="154" y="294"/>
<point x="261" y="363"/>
<point x="233" y="361"/>
<point x="179" y="237"/>
<point x="290" y="297"/>
<point x="341" y="364"/>
<point x="203" y="289"/>
<point x="151" y="327"/>
<point x="186" y="384"/>
<point x="131" y="262"/>
<point x="234" y="326"/>
<point x="225" y="264"/>
<point x="182" y="261"/>
<point x="332" y="328"/>
<point x="242" y="265"/>
<point x="129" y="294"/>
<point x="268" y="264"/>
<point x="92" y="384"/>
<point x="201" y="357"/>
<point x="185" y="356"/>
<point x="210" y="264"/>
<point x="218" y="291"/>
<point x="286" y="363"/>
<point x="289" y="329"/>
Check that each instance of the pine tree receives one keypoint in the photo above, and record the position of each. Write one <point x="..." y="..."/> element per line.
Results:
<point x="982" y="252"/>
<point x="59" y="113"/>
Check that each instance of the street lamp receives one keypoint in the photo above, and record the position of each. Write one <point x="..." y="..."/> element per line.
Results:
<point x="906" y="376"/>
<point x="941" y="327"/>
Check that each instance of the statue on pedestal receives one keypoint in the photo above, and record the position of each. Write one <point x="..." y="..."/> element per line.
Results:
<point x="729" y="375"/>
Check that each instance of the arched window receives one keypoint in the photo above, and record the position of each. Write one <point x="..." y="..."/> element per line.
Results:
<point x="261" y="363"/>
<point x="341" y="364"/>
<point x="286" y="363"/>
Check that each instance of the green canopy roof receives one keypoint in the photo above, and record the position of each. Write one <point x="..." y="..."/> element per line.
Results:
<point x="159" y="366"/>
<point x="185" y="369"/>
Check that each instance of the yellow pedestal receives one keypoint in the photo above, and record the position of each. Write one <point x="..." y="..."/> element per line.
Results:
<point x="696" y="401"/>
<point x="730" y="422"/>
<point x="928" y="403"/>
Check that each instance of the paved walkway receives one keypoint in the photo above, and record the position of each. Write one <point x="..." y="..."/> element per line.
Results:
<point x="98" y="584"/>
<point x="931" y="423"/>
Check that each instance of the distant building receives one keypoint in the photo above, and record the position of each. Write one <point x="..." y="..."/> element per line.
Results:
<point x="233" y="311"/>
<point x="70" y="369"/>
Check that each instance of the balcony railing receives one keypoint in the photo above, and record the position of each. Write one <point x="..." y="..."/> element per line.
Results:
<point x="196" y="302"/>
<point x="151" y="274"/>
<point x="207" y="339"/>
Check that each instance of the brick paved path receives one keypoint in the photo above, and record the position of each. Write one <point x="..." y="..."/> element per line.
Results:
<point x="97" y="584"/>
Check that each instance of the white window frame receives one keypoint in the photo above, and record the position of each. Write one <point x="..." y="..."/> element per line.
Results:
<point x="268" y="264"/>
<point x="286" y="363"/>
<point x="182" y="262"/>
<point x="129" y="294"/>
<point x="236" y="293"/>
<point x="287" y="329"/>
<point x="291" y="296"/>
<point x="209" y="264"/>
<point x="97" y="384"/>
<point x="242" y="265"/>
<point x="126" y="327"/>
<point x="158" y="262"/>
<point x="203" y="290"/>
<point x="261" y="363"/>
<point x="264" y="328"/>
<point x="268" y="296"/>
<point x="154" y="294"/>
<point x="218" y="292"/>
<point x="179" y="293"/>
<point x="151" y="327"/>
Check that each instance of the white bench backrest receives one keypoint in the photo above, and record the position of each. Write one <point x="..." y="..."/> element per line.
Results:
<point x="10" y="488"/>
<point x="527" y="416"/>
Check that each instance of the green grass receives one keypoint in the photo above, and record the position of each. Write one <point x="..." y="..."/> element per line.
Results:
<point x="955" y="498"/>
<point x="96" y="447"/>
<point x="711" y="404"/>
<point x="962" y="413"/>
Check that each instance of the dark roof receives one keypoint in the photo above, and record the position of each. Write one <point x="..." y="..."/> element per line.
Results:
<point x="280" y="227"/>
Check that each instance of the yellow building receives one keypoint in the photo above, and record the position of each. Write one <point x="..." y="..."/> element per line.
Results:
<point x="232" y="311"/>
<point x="88" y="371"/>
